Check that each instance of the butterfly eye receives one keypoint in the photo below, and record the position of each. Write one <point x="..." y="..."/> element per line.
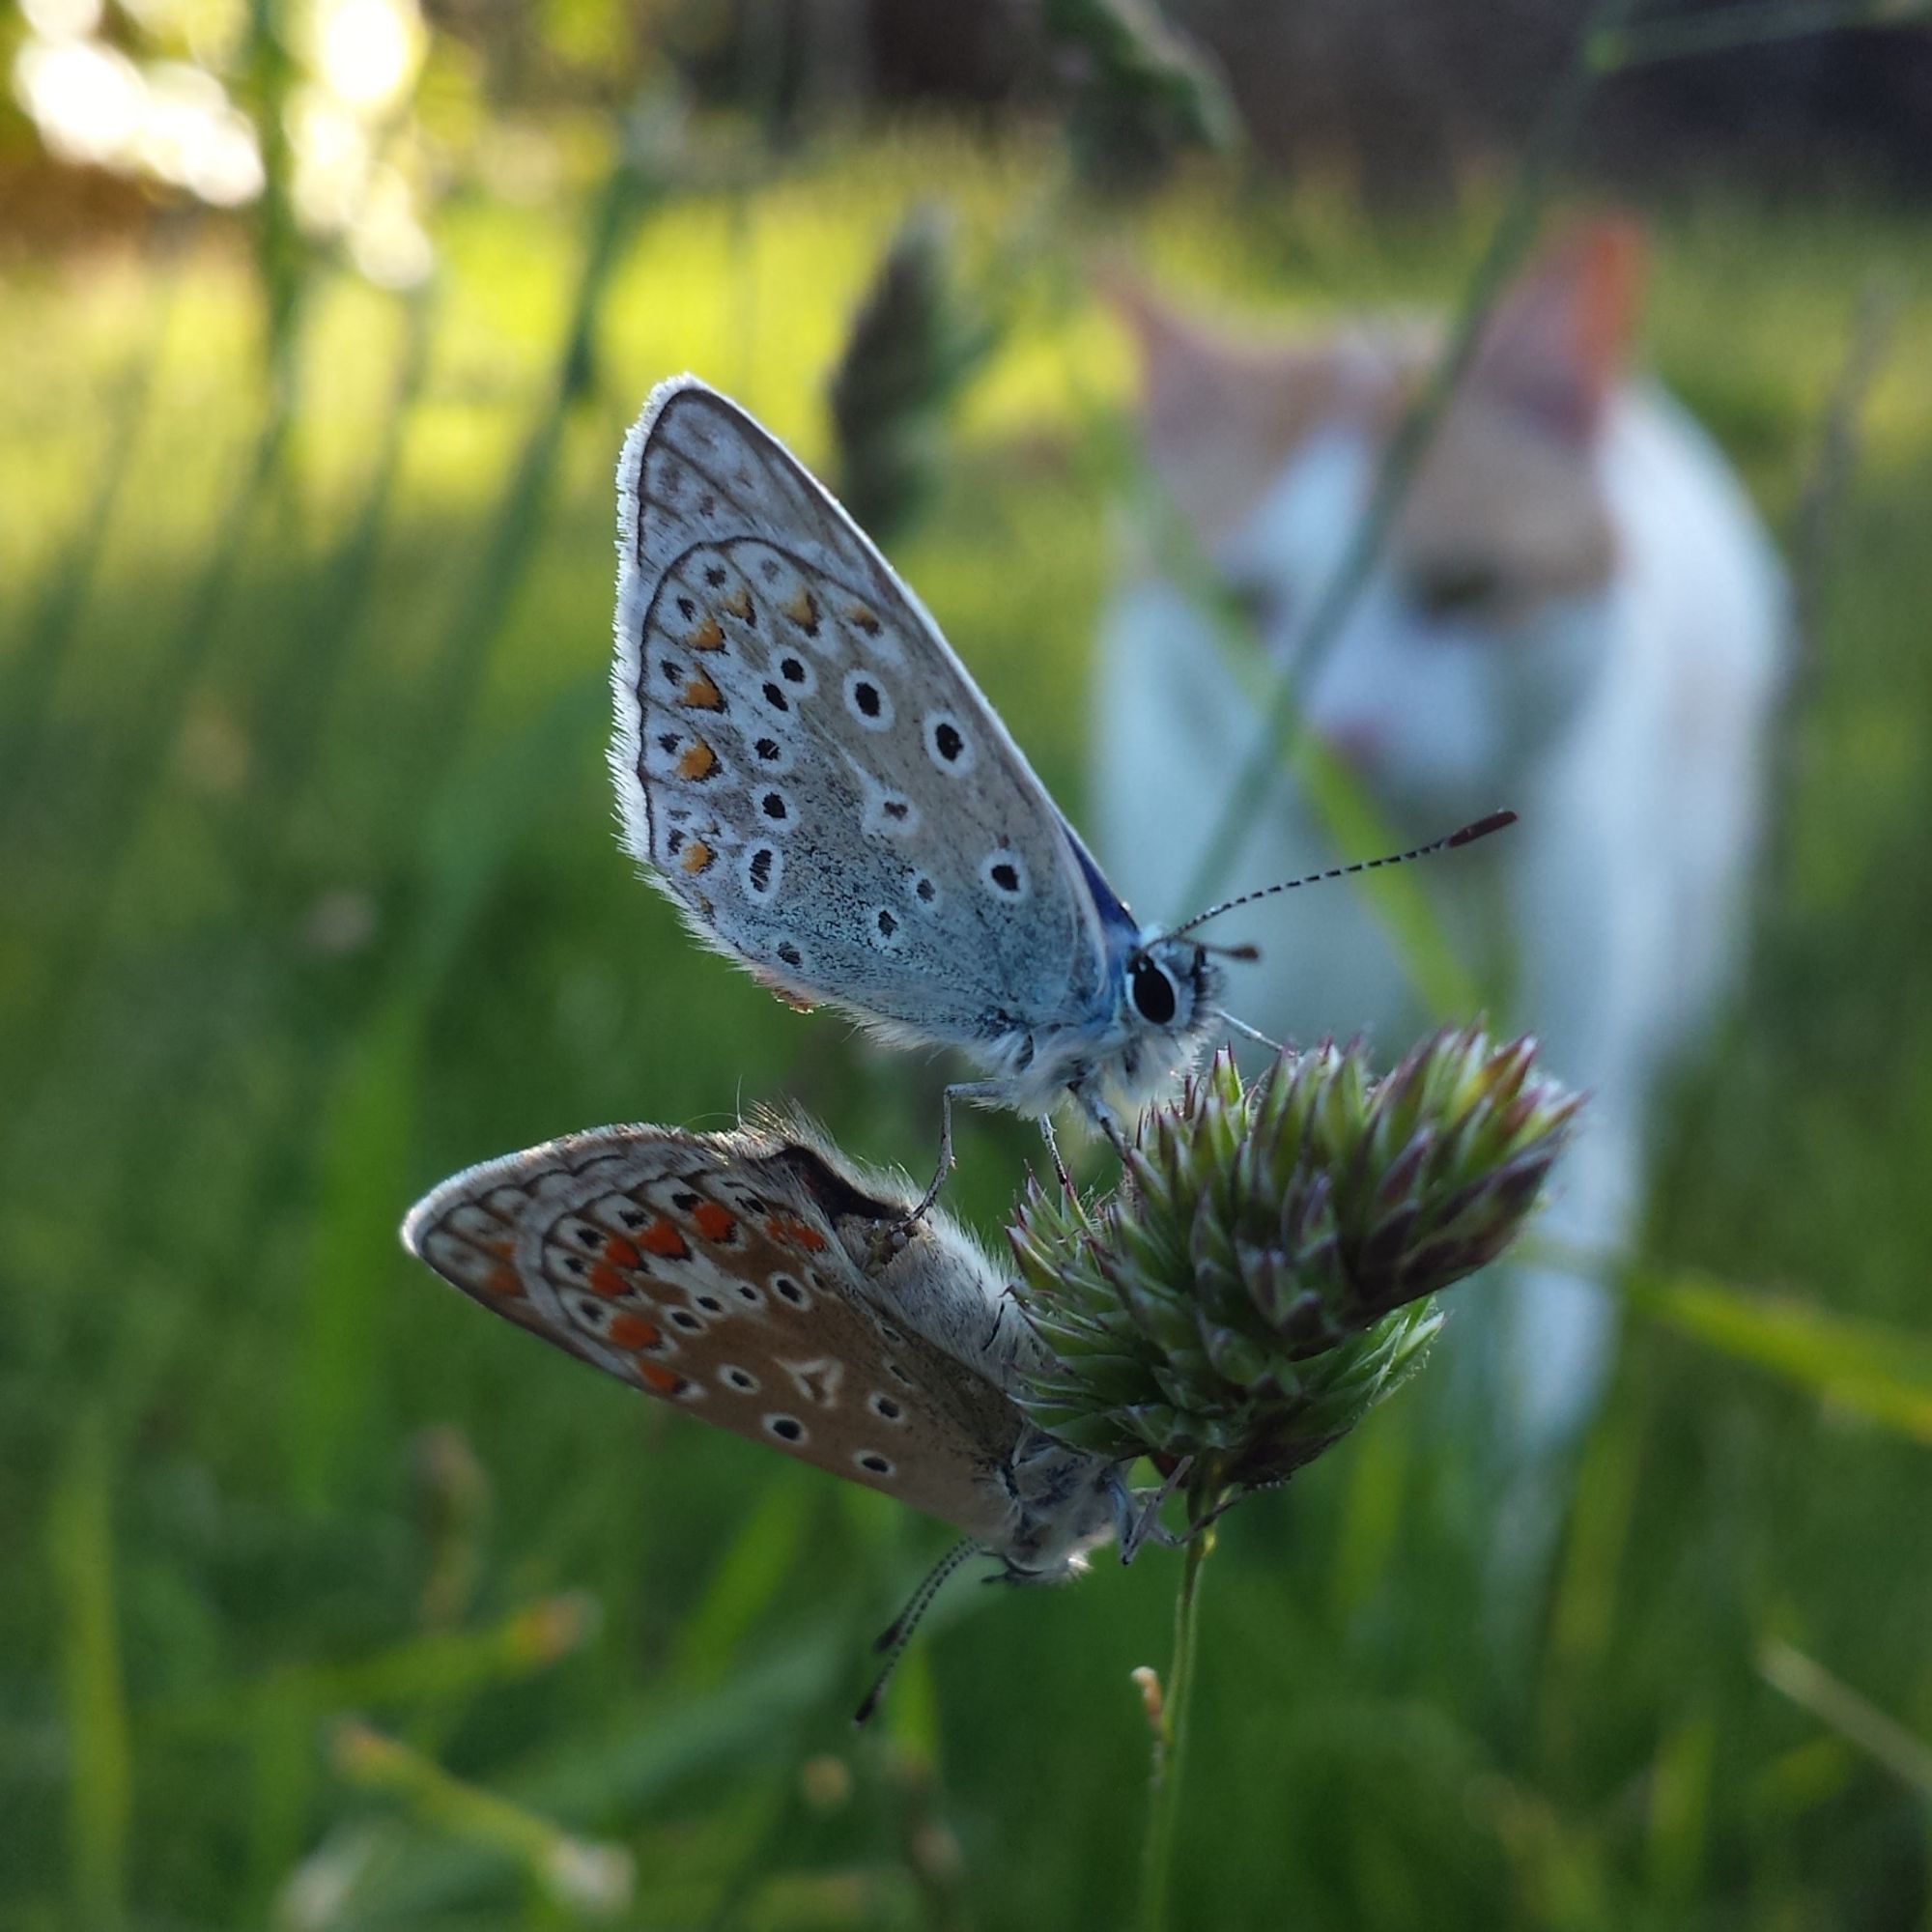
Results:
<point x="1153" y="992"/>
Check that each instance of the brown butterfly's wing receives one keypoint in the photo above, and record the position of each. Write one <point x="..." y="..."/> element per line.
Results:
<point x="724" y="1274"/>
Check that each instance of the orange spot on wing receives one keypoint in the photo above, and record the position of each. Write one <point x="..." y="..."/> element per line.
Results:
<point x="714" y="1223"/>
<point x="701" y="693"/>
<point x="697" y="856"/>
<point x="801" y="609"/>
<point x="708" y="635"/>
<point x="503" y="1280"/>
<point x="865" y="618"/>
<point x="605" y="1280"/>
<point x="660" y="1237"/>
<point x="633" y="1333"/>
<point x="659" y="1378"/>
<point x="780" y="989"/>
<point x="620" y="1253"/>
<point x="738" y="603"/>
<point x="788" y="1231"/>
<point x="700" y="761"/>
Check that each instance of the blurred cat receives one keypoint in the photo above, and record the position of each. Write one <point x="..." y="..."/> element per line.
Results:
<point x="1577" y="613"/>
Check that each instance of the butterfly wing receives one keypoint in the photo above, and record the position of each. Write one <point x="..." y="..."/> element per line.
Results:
<point x="809" y="770"/>
<point x="717" y="1272"/>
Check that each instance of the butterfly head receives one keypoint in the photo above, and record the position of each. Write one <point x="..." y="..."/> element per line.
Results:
<point x="1066" y="1504"/>
<point x="1169" y="986"/>
<point x="1166" y="1003"/>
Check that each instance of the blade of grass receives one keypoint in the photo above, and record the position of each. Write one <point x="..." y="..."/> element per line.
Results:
<point x="292" y="710"/>
<point x="580" y="1873"/>
<point x="1818" y="527"/>
<point x="1880" y="1372"/>
<point x="365" y="1132"/>
<point x="287" y="726"/>
<point x="283" y="1774"/>
<point x="1596" y="1545"/>
<point x="129" y="784"/>
<point x="1368" y="1535"/>
<point x="364" y="1145"/>
<point x="367" y="1108"/>
<point x="743" y="1582"/>
<point x="277" y="1716"/>
<point x="503" y="555"/>
<point x="1834" y="1703"/>
<point x="764" y="1853"/>
<point x="1871" y="1368"/>
<point x="269" y="75"/>
<point x="648" y="1750"/>
<point x="1833" y="471"/>
<point x="1677" y="1825"/>
<point x="1752" y="23"/>
<point x="94" y="1704"/>
<point x="36" y="670"/>
<point x="438" y="1666"/>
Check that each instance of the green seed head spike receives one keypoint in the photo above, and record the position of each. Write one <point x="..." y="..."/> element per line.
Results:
<point x="1262" y="1275"/>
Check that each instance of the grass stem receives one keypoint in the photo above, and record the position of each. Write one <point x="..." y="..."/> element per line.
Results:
<point x="1164" y="1781"/>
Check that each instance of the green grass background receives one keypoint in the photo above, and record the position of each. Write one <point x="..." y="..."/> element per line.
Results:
<point x="309" y="894"/>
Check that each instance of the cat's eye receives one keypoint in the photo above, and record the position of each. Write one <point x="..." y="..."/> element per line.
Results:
<point x="1463" y="589"/>
<point x="1256" y="602"/>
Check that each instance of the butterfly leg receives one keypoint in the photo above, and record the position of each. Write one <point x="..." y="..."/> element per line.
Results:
<point x="1052" y="1141"/>
<point x="1104" y="1118"/>
<point x="970" y="1090"/>
<point x="1083" y="1090"/>
<point x="1138" y="1512"/>
<point x="1202" y="1524"/>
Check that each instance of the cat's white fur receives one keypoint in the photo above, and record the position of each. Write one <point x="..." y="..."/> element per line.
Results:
<point x="1626" y="721"/>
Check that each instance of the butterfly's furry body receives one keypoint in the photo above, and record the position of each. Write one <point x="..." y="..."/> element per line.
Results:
<point x="740" y="1276"/>
<point x="811" y="775"/>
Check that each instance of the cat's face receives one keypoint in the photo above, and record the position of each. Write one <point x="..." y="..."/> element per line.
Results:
<point x="1477" y="633"/>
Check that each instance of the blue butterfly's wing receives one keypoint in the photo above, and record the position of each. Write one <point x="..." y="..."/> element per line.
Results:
<point x="1122" y="930"/>
<point x="809" y="771"/>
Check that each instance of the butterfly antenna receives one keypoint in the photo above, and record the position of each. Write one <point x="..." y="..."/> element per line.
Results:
<point x="1467" y="836"/>
<point x="1247" y="1032"/>
<point x="894" y="1638"/>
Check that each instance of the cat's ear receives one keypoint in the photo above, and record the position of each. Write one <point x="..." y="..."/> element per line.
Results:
<point x="1220" y="414"/>
<point x="1560" y="339"/>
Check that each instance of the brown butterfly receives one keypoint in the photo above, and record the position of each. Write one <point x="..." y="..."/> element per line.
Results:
<point x="742" y="1277"/>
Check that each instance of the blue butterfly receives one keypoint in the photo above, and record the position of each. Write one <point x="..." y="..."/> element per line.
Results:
<point x="811" y="775"/>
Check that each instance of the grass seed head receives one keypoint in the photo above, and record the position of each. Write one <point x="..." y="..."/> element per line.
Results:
<point x="1262" y="1275"/>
